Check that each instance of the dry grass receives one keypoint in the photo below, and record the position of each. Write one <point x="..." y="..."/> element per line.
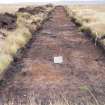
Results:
<point x="5" y="60"/>
<point x="32" y="99"/>
<point x="91" y="18"/>
<point x="16" y="40"/>
<point x="19" y="37"/>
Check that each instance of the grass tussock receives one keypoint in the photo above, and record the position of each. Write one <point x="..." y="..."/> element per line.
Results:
<point x="5" y="60"/>
<point x="17" y="38"/>
<point x="91" y="19"/>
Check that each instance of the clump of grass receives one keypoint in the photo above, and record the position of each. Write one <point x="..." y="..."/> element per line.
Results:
<point x="10" y="48"/>
<point x="91" y="21"/>
<point x="30" y="21"/>
<point x="16" y="40"/>
<point x="96" y="28"/>
<point x="5" y="60"/>
<point x="19" y="37"/>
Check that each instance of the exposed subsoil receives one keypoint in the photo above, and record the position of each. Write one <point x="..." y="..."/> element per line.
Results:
<point x="35" y="77"/>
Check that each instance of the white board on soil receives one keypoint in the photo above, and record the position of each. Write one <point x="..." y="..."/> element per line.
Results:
<point x="58" y="59"/>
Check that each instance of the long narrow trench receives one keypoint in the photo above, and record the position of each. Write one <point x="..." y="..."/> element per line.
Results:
<point x="80" y="78"/>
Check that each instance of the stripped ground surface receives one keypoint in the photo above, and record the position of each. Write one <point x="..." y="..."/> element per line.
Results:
<point x="35" y="78"/>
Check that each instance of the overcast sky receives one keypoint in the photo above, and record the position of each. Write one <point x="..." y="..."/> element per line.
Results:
<point x="17" y="1"/>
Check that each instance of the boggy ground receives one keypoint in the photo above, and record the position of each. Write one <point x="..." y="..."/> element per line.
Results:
<point x="34" y="78"/>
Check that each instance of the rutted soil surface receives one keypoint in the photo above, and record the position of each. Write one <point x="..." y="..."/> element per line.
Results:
<point x="35" y="78"/>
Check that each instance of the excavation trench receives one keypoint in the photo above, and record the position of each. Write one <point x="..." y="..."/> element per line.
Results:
<point x="35" y="78"/>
